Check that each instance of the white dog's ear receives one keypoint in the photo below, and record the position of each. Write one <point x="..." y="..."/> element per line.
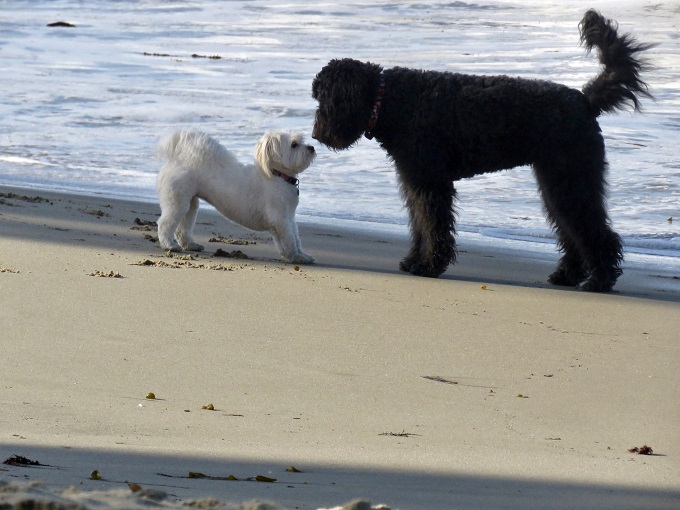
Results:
<point x="267" y="153"/>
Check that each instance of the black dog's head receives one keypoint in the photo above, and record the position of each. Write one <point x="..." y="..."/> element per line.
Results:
<point x="346" y="91"/>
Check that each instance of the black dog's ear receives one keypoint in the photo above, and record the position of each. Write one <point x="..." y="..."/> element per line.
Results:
<point x="346" y="90"/>
<point x="322" y="86"/>
<point x="344" y="74"/>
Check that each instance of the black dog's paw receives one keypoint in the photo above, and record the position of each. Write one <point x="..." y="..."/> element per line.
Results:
<point x="596" y="285"/>
<point x="563" y="278"/>
<point x="601" y="281"/>
<point x="410" y="260"/>
<point x="419" y="269"/>
<point x="567" y="275"/>
<point x="406" y="264"/>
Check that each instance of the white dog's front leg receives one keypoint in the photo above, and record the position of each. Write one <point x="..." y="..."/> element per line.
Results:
<point x="288" y="242"/>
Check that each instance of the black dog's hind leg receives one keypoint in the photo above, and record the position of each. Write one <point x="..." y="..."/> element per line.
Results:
<point x="432" y="225"/>
<point x="571" y="269"/>
<point x="574" y="202"/>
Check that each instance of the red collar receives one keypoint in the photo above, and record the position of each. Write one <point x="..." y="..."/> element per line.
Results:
<point x="290" y="180"/>
<point x="376" y="108"/>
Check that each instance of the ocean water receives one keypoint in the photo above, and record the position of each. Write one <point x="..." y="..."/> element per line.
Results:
<point x="82" y="107"/>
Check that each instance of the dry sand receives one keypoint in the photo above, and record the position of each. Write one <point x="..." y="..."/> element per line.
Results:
<point x="416" y="393"/>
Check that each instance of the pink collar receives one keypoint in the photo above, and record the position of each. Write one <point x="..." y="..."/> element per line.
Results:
<point x="376" y="108"/>
<point x="290" y="180"/>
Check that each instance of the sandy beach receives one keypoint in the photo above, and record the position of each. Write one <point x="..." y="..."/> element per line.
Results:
<point x="312" y="386"/>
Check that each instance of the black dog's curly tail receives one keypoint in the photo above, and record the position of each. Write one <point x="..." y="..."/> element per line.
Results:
<point x="619" y="83"/>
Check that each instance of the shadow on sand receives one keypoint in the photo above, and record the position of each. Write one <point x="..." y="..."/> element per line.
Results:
<point x="316" y="485"/>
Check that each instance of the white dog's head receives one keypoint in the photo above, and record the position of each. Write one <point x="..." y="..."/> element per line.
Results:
<point x="284" y="152"/>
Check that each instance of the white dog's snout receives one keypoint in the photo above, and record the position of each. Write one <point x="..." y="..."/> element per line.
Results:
<point x="310" y="148"/>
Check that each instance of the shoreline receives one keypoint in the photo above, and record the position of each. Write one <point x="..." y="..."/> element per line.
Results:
<point x="480" y="234"/>
<point x="485" y="388"/>
<point x="480" y="258"/>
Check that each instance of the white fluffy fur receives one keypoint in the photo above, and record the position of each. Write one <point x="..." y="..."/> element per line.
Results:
<point x="197" y="166"/>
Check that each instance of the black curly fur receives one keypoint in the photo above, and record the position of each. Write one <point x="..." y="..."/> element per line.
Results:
<point x="440" y="127"/>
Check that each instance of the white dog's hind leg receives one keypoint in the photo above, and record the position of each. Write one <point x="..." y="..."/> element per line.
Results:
<point x="167" y="224"/>
<point x="288" y="242"/>
<point x="174" y="207"/>
<point x="184" y="234"/>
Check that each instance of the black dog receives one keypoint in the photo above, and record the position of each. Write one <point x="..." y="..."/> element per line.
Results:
<point x="439" y="127"/>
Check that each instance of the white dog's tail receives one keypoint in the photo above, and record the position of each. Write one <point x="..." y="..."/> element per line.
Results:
<point x="190" y="148"/>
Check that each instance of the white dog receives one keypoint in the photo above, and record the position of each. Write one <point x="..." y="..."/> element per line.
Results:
<point x="261" y="197"/>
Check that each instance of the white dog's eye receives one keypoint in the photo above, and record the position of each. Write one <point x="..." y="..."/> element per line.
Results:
<point x="294" y="145"/>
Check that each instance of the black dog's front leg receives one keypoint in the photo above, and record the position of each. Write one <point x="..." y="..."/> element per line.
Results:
<point x="413" y="255"/>
<point x="432" y="229"/>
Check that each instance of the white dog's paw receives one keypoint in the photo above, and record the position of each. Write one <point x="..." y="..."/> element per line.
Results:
<point x="194" y="247"/>
<point x="302" y="258"/>
<point x="171" y="247"/>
